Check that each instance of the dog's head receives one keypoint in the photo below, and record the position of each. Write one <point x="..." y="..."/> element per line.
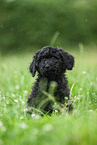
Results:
<point x="51" y="61"/>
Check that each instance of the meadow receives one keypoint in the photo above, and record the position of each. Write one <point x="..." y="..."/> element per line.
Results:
<point x="19" y="128"/>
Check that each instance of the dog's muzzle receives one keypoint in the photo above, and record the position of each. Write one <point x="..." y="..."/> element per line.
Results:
<point x="50" y="67"/>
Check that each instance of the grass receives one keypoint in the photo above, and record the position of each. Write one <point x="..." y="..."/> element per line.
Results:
<point x="19" y="128"/>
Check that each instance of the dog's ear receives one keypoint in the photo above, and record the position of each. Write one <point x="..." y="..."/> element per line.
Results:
<point x="34" y="64"/>
<point x="32" y="67"/>
<point x="68" y="60"/>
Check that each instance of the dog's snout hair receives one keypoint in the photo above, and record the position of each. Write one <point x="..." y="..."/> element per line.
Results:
<point x="47" y="65"/>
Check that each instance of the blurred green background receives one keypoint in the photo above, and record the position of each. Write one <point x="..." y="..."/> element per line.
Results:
<point x="27" y="23"/>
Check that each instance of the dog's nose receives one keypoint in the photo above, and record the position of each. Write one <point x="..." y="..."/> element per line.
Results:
<point x="47" y="65"/>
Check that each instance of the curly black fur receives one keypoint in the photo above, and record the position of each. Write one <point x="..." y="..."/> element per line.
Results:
<point x="51" y="64"/>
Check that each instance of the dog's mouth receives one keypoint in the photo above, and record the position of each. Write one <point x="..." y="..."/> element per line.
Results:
<point x="50" y="72"/>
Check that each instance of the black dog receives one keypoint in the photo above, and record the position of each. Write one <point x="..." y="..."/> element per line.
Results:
<point x="51" y="64"/>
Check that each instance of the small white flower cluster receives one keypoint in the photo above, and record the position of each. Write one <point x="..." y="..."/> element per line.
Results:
<point x="35" y="116"/>
<point x="20" y="99"/>
<point x="76" y="98"/>
<point x="26" y="109"/>
<point x="17" y="100"/>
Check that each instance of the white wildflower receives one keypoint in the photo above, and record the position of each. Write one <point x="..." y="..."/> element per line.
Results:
<point x="89" y="102"/>
<point x="13" y="95"/>
<point x="78" y="98"/>
<point x="23" y="102"/>
<point x="84" y="72"/>
<point x="16" y="101"/>
<point x="66" y="98"/>
<point x="17" y="87"/>
<point x="80" y="89"/>
<point x="21" y="117"/>
<point x="24" y="125"/>
<point x="25" y="110"/>
<point x="56" y="111"/>
<point x="47" y="127"/>
<point x="25" y="91"/>
<point x="33" y="115"/>
<point x="90" y="110"/>
<point x="3" y="97"/>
